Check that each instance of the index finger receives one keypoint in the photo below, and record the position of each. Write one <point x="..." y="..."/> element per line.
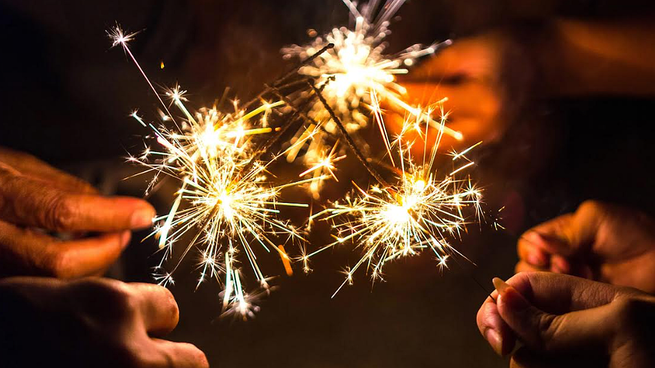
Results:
<point x="32" y="203"/>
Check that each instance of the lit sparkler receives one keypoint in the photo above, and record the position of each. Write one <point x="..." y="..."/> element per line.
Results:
<point x="422" y="210"/>
<point x="225" y="203"/>
<point x="356" y="67"/>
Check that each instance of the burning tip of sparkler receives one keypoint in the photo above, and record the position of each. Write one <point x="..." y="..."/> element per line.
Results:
<point x="119" y="37"/>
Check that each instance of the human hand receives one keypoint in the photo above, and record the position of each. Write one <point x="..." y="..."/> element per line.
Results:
<point x="485" y="78"/>
<point x="565" y="321"/>
<point x="91" y="322"/>
<point x="599" y="241"/>
<point x="35" y="197"/>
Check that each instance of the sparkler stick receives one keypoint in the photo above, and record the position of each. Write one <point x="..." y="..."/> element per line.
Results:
<point x="289" y="74"/>
<point x="347" y="137"/>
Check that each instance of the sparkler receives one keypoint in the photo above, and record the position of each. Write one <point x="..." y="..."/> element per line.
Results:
<point x="357" y="66"/>
<point x="230" y="209"/>
<point x="225" y="201"/>
<point x="420" y="210"/>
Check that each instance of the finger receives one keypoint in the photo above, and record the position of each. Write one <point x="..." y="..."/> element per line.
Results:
<point x="179" y="355"/>
<point x="28" y="202"/>
<point x="494" y="329"/>
<point x="542" y="331"/>
<point x="555" y="293"/>
<point x="463" y="100"/>
<point x="158" y="308"/>
<point x="552" y="237"/>
<point x="526" y="267"/>
<point x="559" y="264"/>
<point x="531" y="250"/>
<point x="85" y="257"/>
<point x="26" y="252"/>
<point x="571" y="234"/>
<point x="466" y="57"/>
<point x="33" y="167"/>
<point x="473" y="131"/>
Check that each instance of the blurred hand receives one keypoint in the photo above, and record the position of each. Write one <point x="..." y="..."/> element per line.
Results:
<point x="565" y="321"/>
<point x="36" y="198"/>
<point x="599" y="241"/>
<point x="89" y="323"/>
<point x="486" y="80"/>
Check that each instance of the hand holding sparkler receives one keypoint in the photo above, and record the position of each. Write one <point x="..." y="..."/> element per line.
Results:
<point x="352" y="71"/>
<point x="481" y="82"/>
<point x="34" y="196"/>
<point x="565" y="321"/>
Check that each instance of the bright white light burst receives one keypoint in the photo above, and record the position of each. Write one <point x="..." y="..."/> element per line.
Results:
<point x="353" y="69"/>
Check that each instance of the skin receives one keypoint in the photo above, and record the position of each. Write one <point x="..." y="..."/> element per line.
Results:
<point x="36" y="198"/>
<point x="599" y="241"/>
<point x="566" y="321"/>
<point x="91" y="322"/>
<point x="557" y="316"/>
<point x="489" y="79"/>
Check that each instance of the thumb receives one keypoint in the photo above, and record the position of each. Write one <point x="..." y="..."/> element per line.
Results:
<point x="552" y="333"/>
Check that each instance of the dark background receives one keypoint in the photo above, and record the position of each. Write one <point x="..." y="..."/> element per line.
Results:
<point x="65" y="97"/>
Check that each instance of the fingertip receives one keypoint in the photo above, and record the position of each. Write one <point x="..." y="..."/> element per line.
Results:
<point x="537" y="258"/>
<point x="560" y="264"/>
<point x="500" y="285"/>
<point x="143" y="216"/>
<point x="533" y="237"/>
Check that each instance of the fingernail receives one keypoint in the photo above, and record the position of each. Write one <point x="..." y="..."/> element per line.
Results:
<point x="494" y="339"/>
<point x="510" y="296"/>
<point x="142" y="218"/>
<point x="499" y="284"/>
<point x="537" y="259"/>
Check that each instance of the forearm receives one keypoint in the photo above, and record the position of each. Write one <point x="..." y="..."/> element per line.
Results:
<point x="577" y="57"/>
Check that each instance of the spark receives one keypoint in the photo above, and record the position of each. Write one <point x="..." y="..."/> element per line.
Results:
<point x="423" y="209"/>
<point x="226" y="209"/>
<point x="225" y="201"/>
<point x="324" y="167"/>
<point x="355" y="69"/>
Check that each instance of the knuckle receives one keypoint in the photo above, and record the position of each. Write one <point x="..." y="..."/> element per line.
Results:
<point x="111" y="294"/>
<point x="548" y="328"/>
<point x="58" y="265"/>
<point x="197" y="357"/>
<point x="632" y="312"/>
<point x="591" y="206"/>
<point x="52" y="262"/>
<point x="129" y="356"/>
<point x="58" y="213"/>
<point x="173" y="309"/>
